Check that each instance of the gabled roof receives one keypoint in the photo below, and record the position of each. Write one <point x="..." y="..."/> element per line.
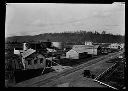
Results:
<point x="85" y="47"/>
<point x="77" y="46"/>
<point x="82" y="48"/>
<point x="28" y="52"/>
<point x="96" y="46"/>
<point x="79" y="50"/>
<point x="105" y="45"/>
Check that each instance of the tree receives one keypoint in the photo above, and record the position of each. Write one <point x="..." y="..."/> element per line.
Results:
<point x="103" y="32"/>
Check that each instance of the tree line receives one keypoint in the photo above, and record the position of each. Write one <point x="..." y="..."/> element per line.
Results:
<point x="77" y="37"/>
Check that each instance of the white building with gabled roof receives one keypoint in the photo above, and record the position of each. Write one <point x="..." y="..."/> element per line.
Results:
<point x="79" y="51"/>
<point x="75" y="54"/>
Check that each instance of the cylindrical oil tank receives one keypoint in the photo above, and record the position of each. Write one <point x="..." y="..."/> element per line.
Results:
<point x="57" y="44"/>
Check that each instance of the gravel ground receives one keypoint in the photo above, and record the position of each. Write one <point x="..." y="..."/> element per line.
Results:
<point x="76" y="79"/>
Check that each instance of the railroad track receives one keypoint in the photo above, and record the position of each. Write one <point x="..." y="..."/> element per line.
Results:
<point x="69" y="71"/>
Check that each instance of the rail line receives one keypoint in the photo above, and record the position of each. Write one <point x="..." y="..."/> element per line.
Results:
<point x="106" y="74"/>
<point x="69" y="71"/>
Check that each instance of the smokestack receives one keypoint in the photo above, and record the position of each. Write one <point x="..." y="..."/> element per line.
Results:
<point x="24" y="46"/>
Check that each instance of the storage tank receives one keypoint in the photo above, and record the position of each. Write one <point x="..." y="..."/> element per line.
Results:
<point x="57" y="44"/>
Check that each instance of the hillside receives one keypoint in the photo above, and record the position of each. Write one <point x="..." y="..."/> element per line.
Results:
<point x="70" y="37"/>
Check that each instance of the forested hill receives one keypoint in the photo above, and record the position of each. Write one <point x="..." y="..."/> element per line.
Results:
<point x="70" y="37"/>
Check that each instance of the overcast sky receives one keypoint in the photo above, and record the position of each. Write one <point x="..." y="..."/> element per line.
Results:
<point x="33" y="19"/>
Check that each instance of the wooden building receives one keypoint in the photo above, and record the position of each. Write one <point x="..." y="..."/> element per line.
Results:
<point x="32" y="60"/>
<point x="90" y="49"/>
<point x="76" y="54"/>
<point x="35" y="61"/>
<point x="83" y="50"/>
<point x="114" y="46"/>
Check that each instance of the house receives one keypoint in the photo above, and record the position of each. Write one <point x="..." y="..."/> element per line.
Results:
<point x="81" y="51"/>
<point x="114" y="46"/>
<point x="34" y="61"/>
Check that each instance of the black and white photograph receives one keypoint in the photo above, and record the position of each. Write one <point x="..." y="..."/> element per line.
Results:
<point x="65" y="45"/>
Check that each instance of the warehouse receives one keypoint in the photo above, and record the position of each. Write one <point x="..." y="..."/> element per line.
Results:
<point x="83" y="50"/>
<point x="93" y="50"/>
<point x="90" y="49"/>
<point x="76" y="54"/>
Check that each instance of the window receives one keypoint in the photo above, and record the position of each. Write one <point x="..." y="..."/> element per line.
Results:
<point x="41" y="60"/>
<point x="35" y="61"/>
<point x="29" y="62"/>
